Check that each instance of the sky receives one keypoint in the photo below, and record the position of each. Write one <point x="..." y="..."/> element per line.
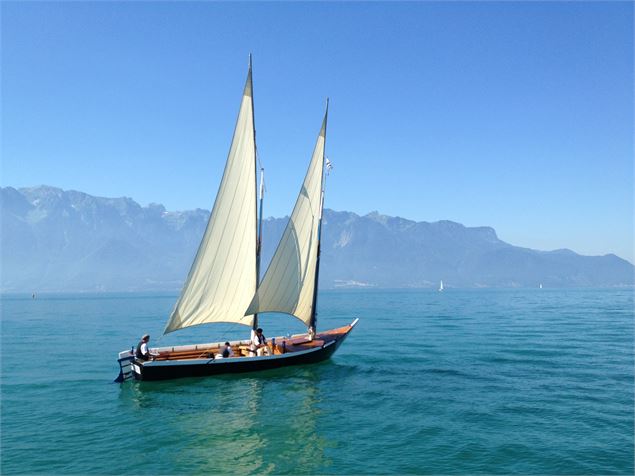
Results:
<point x="513" y="115"/>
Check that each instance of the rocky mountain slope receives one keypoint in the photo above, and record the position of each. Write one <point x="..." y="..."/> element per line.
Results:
<point x="55" y="240"/>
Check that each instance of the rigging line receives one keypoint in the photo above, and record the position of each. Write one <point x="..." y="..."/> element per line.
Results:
<point x="229" y="330"/>
<point x="258" y="159"/>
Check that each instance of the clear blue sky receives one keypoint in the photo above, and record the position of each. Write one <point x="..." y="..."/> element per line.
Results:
<point x="514" y="115"/>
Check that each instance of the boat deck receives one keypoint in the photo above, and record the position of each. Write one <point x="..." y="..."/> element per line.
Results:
<point x="283" y="345"/>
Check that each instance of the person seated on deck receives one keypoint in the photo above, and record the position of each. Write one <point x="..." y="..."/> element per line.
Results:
<point x="227" y="351"/>
<point x="142" y="352"/>
<point x="259" y="343"/>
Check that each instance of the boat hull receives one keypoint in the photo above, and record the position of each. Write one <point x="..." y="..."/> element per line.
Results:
<point x="172" y="369"/>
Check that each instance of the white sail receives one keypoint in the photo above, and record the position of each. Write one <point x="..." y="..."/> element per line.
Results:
<point x="289" y="282"/>
<point x="222" y="280"/>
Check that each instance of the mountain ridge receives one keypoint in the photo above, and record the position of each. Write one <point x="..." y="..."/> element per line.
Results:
<point x="57" y="240"/>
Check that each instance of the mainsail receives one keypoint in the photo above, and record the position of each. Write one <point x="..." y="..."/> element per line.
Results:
<point x="290" y="281"/>
<point x="223" y="279"/>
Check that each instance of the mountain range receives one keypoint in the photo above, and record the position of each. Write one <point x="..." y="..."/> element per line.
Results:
<point x="56" y="240"/>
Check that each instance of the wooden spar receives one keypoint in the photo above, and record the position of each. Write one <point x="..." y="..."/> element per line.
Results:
<point x="254" y="324"/>
<point x="313" y="320"/>
<point x="259" y="239"/>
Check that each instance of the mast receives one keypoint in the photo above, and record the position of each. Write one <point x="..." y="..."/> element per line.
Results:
<point x="259" y="239"/>
<point x="258" y="208"/>
<point x="313" y="321"/>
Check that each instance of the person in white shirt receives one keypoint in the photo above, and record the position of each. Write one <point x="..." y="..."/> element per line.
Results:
<point x="142" y="352"/>
<point x="259" y="343"/>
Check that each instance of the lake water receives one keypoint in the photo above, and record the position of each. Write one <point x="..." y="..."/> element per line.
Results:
<point x="470" y="381"/>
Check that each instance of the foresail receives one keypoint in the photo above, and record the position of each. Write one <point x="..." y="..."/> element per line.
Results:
<point x="289" y="282"/>
<point x="222" y="280"/>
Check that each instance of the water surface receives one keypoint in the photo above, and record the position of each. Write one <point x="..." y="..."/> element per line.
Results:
<point x="478" y="381"/>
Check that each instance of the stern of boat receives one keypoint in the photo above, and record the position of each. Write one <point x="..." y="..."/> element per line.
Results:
<point x="126" y="363"/>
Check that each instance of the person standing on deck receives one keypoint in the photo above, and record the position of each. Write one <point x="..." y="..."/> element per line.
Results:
<point x="259" y="343"/>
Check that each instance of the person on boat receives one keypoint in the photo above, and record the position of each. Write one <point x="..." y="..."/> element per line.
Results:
<point x="227" y="351"/>
<point x="259" y="343"/>
<point x="143" y="352"/>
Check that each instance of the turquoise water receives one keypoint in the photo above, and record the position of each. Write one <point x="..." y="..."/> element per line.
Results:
<point x="479" y="381"/>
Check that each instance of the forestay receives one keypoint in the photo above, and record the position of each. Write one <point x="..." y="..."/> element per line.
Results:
<point x="289" y="282"/>
<point x="222" y="280"/>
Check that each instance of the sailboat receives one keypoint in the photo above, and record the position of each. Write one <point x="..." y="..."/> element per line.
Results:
<point x="223" y="283"/>
<point x="441" y="286"/>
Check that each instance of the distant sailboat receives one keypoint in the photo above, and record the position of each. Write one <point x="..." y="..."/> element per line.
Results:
<point x="223" y="286"/>
<point x="540" y="285"/>
<point x="441" y="286"/>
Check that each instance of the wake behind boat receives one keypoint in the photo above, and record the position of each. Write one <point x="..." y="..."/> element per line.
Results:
<point x="223" y="283"/>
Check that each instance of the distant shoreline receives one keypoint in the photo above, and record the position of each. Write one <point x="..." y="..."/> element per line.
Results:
<point x="175" y="293"/>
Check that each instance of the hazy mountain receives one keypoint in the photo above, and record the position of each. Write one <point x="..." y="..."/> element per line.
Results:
<point x="55" y="240"/>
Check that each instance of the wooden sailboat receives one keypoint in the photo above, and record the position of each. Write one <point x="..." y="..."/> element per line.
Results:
<point x="223" y="282"/>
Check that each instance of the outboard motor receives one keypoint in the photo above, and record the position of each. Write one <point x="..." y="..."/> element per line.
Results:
<point x="126" y="359"/>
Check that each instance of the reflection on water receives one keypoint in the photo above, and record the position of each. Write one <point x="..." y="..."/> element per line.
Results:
<point x="265" y="423"/>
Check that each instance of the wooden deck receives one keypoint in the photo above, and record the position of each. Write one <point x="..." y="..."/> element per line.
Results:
<point x="283" y="345"/>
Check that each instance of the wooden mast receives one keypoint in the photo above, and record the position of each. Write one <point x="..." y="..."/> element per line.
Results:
<point x="313" y="320"/>
<point x="259" y="208"/>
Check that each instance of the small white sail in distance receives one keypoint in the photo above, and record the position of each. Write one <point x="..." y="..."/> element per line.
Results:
<point x="441" y="286"/>
<point x="289" y="282"/>
<point x="222" y="280"/>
